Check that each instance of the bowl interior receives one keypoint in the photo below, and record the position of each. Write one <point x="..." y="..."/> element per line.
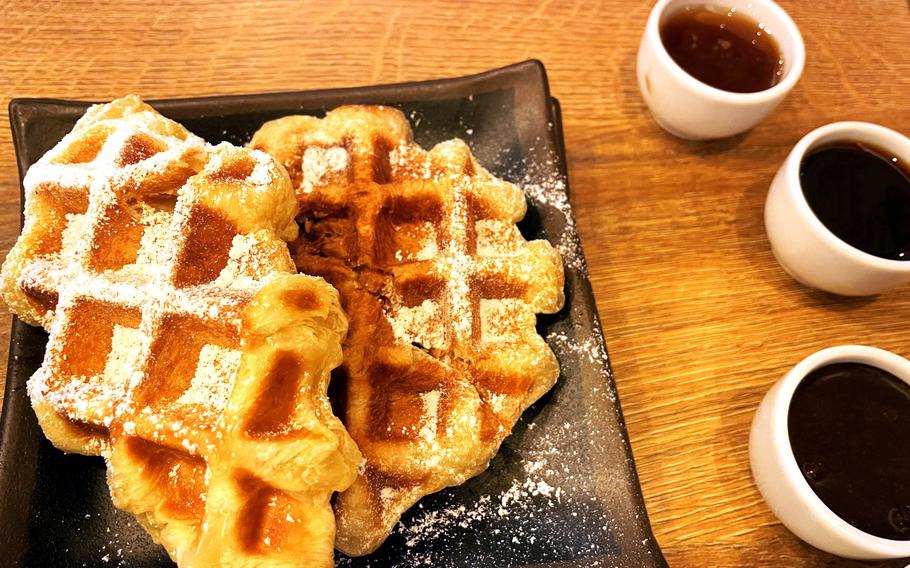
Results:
<point x="771" y="18"/>
<point x="879" y="358"/>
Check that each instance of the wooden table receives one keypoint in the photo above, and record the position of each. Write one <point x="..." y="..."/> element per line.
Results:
<point x="699" y="318"/>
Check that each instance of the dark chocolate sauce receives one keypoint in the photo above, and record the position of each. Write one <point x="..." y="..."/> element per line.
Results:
<point x="849" y="429"/>
<point x="862" y="194"/>
<point x="723" y="48"/>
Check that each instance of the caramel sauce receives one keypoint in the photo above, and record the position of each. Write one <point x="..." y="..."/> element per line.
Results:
<point x="723" y="48"/>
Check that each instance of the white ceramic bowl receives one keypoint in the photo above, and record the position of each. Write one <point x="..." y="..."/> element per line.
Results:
<point x="688" y="108"/>
<point x="780" y="480"/>
<point x="808" y="250"/>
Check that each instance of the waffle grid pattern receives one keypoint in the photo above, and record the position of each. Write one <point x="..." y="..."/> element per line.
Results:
<point x="442" y="294"/>
<point x="182" y="347"/>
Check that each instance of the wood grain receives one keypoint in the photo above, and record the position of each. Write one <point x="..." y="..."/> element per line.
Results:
<point x="699" y="318"/>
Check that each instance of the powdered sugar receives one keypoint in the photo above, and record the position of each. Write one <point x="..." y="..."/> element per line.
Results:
<point x="320" y="164"/>
<point x="126" y="343"/>
<point x="263" y="175"/>
<point x="501" y="320"/>
<point x="551" y="194"/>
<point x="214" y="378"/>
<point x="420" y="324"/>
<point x="496" y="237"/>
<point x="430" y="415"/>
<point x="73" y="235"/>
<point x="157" y="244"/>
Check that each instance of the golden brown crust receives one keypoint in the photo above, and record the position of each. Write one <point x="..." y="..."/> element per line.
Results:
<point x="183" y="348"/>
<point x="441" y="292"/>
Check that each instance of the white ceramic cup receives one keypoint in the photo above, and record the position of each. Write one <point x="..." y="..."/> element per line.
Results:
<point x="808" y="250"/>
<point x="780" y="480"/>
<point x="688" y="108"/>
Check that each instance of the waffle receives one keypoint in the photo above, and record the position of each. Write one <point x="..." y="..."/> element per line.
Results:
<point x="182" y="346"/>
<point x="441" y="291"/>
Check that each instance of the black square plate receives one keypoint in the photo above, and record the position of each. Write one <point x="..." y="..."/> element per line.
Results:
<point x="563" y="489"/>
